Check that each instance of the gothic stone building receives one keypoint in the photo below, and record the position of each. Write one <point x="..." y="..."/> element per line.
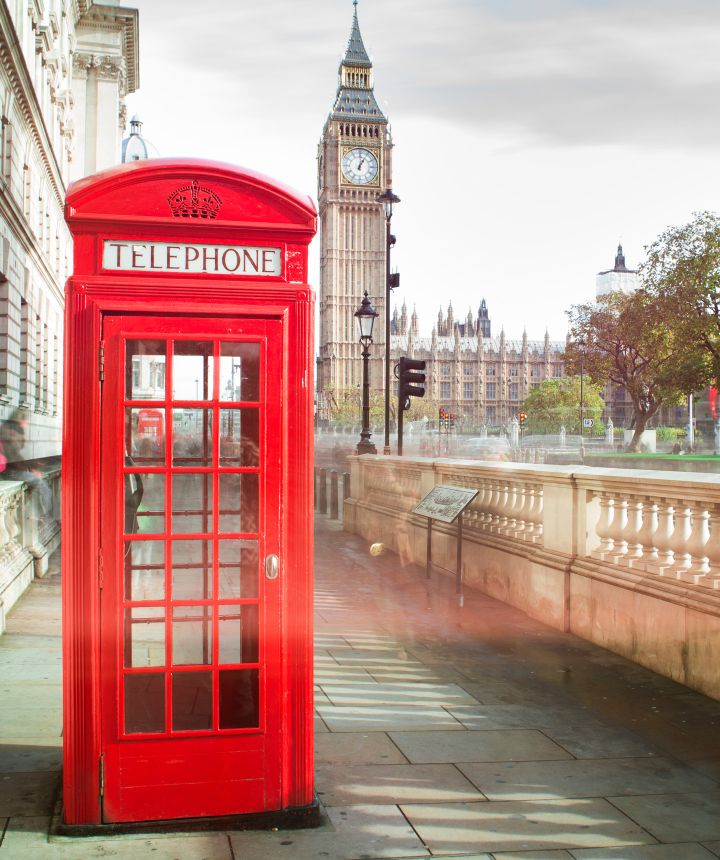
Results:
<point x="354" y="167"/>
<point x="481" y="378"/>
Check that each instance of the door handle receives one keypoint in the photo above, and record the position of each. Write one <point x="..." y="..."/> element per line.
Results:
<point x="272" y="567"/>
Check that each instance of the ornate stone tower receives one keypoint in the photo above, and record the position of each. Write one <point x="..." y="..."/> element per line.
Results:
<point x="354" y="166"/>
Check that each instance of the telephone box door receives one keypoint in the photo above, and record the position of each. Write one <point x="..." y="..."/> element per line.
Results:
<point x="192" y="566"/>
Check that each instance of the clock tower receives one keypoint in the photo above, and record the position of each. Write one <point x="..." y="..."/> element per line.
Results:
<point x="354" y="167"/>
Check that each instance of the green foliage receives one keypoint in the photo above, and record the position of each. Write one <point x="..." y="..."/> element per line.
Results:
<point x="556" y="402"/>
<point x="669" y="434"/>
<point x="626" y="340"/>
<point x="682" y="274"/>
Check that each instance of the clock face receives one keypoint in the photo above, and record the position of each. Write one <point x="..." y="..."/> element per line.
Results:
<point x="359" y="166"/>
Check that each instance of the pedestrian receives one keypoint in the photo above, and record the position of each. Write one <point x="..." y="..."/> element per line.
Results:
<point x="13" y="436"/>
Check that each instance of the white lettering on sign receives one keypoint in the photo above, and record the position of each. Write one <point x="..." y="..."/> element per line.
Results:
<point x="181" y="257"/>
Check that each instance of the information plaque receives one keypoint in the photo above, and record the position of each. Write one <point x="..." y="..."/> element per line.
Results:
<point x="445" y="503"/>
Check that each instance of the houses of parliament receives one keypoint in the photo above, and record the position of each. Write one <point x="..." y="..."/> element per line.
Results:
<point x="481" y="377"/>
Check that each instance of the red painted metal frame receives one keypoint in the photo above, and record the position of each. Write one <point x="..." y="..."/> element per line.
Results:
<point x="130" y="202"/>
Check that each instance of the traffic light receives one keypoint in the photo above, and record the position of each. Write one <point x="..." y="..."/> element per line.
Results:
<point x="444" y="417"/>
<point x="522" y="417"/>
<point x="452" y="419"/>
<point x="411" y="373"/>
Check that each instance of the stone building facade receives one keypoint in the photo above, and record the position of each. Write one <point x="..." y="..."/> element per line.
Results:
<point x="482" y="379"/>
<point x="354" y="167"/>
<point x="65" y="69"/>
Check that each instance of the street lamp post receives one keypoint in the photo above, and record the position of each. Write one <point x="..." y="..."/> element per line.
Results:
<point x="581" y="345"/>
<point x="366" y="315"/>
<point x="388" y="199"/>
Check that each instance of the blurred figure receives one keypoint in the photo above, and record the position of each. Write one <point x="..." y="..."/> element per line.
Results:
<point x="13" y="435"/>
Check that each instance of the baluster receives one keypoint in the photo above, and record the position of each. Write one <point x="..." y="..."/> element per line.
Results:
<point x="484" y="501"/>
<point x="680" y="542"/>
<point x="618" y="530"/>
<point x="647" y="535"/>
<point x="493" y="505"/>
<point x="663" y="541"/>
<point x="604" y="527"/>
<point x="712" y="548"/>
<point x="538" y="515"/>
<point x="5" y="539"/>
<point x="700" y="566"/>
<point x="521" y="523"/>
<point x="634" y="529"/>
<point x="502" y="506"/>
<point x="510" y="503"/>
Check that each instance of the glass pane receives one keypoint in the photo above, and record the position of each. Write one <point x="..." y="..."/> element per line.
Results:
<point x="192" y="503"/>
<point x="145" y="703"/>
<point x="192" y="437"/>
<point x="239" y="371"/>
<point x="192" y="572"/>
<point x="239" y="699"/>
<point x="238" y="503"/>
<point x="145" y="436"/>
<point x="192" y="370"/>
<point x="238" y="632"/>
<point x="192" y="635"/>
<point x="144" y="636"/>
<point x="145" y="570"/>
<point x="145" y="369"/>
<point x="191" y="701"/>
<point x="238" y="568"/>
<point x="239" y="437"/>
<point x="144" y="503"/>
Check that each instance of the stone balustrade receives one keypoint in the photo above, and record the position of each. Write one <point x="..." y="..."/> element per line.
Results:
<point x="629" y="559"/>
<point x="28" y="536"/>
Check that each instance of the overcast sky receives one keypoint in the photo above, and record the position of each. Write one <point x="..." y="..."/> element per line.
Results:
<point x="530" y="135"/>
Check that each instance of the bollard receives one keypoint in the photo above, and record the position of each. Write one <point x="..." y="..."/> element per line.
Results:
<point x="334" y="495"/>
<point x="322" y="505"/>
<point x="316" y="476"/>
<point x="346" y="485"/>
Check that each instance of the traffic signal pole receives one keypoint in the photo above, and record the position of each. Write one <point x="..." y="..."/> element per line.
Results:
<point x="411" y="376"/>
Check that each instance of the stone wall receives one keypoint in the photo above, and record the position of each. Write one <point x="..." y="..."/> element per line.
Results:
<point x="629" y="560"/>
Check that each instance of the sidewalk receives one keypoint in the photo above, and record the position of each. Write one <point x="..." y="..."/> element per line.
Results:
<point x="440" y="732"/>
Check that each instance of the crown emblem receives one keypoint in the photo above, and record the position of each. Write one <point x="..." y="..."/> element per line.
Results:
<point x="194" y="201"/>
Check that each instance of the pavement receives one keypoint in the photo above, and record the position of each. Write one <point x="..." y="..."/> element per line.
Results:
<point x="475" y="733"/>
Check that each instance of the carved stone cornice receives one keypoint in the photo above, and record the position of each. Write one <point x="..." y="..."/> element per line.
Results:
<point x="117" y="19"/>
<point x="15" y="67"/>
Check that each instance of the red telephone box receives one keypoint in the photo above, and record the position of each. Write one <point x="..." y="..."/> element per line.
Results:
<point x="187" y="496"/>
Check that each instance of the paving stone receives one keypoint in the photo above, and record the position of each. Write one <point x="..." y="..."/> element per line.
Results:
<point x="393" y="783"/>
<point x="678" y="851"/>
<point x="522" y="826"/>
<point x="28" y="793"/>
<point x="24" y="695"/>
<point x="384" y="718"/>
<point x="343" y="748"/>
<point x="342" y="674"/>
<point x="396" y="694"/>
<point x="594" y="740"/>
<point x="675" y="817"/>
<point x="583" y="778"/>
<point x="353" y="833"/>
<point x="713" y="847"/>
<point x="27" y="755"/>
<point x="35" y="722"/>
<point x="320" y="727"/>
<point x="530" y="855"/>
<point x="27" y="839"/>
<point x="511" y="745"/>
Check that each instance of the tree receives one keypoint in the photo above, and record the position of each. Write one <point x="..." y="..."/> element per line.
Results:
<point x="555" y="403"/>
<point x="624" y="339"/>
<point x="682" y="273"/>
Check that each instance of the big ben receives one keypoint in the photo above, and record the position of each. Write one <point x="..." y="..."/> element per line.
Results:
<point x="354" y="167"/>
